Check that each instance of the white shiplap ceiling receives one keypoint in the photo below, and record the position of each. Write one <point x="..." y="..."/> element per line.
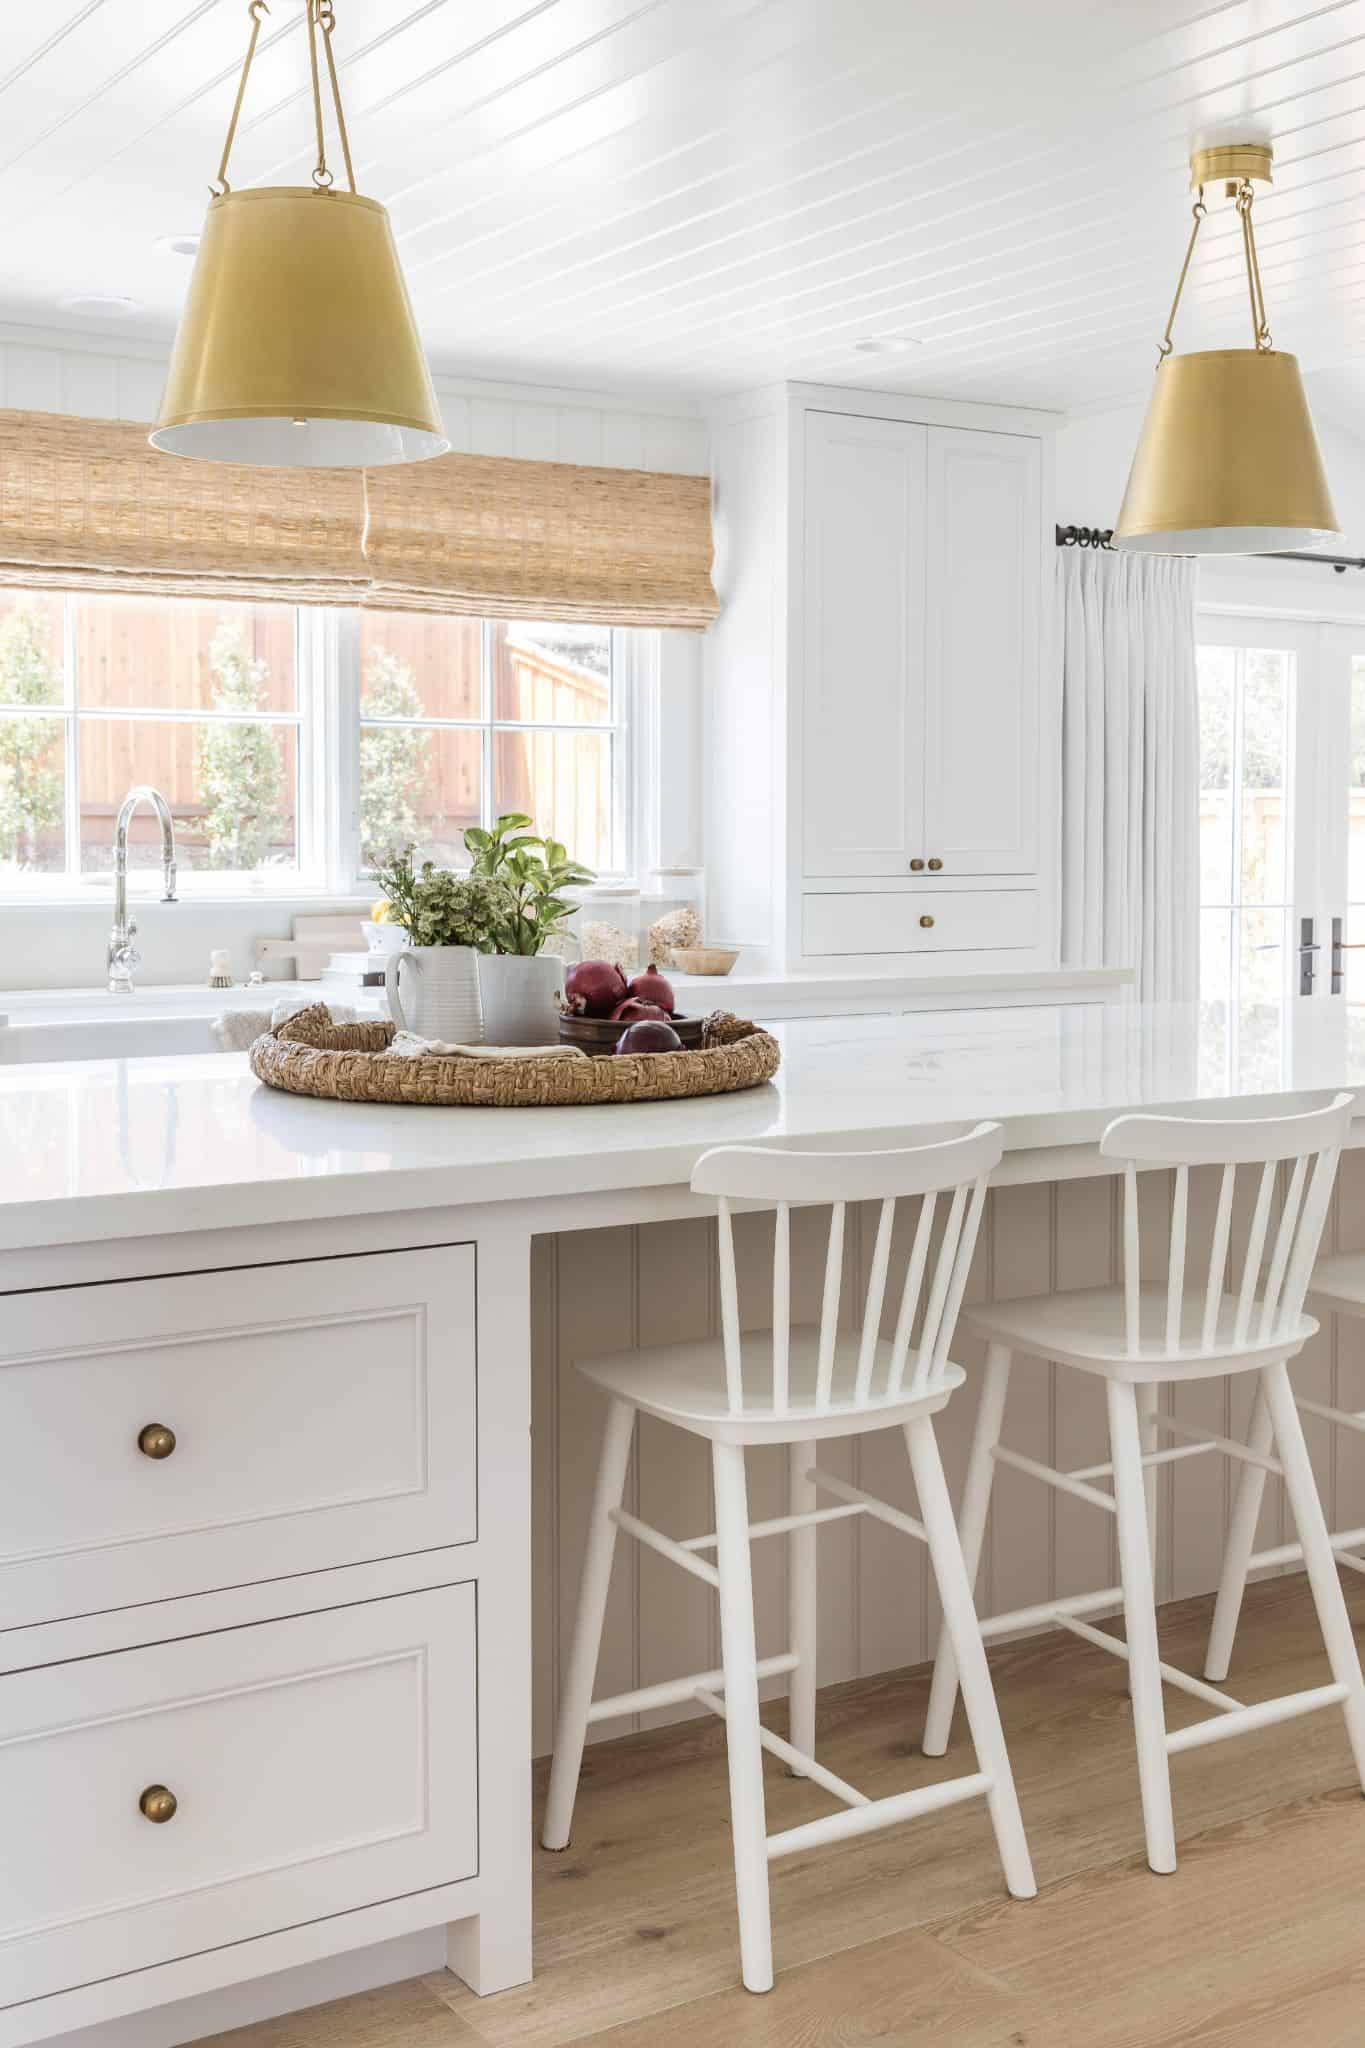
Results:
<point x="704" y="195"/>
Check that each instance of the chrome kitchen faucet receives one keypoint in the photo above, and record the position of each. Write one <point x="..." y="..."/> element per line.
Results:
<point x="123" y="956"/>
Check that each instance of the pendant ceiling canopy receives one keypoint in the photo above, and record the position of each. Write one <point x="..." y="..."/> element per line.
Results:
<point x="1227" y="462"/>
<point x="297" y="346"/>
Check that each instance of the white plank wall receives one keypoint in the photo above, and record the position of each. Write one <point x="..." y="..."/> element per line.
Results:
<point x="541" y="425"/>
<point x="603" y="1289"/>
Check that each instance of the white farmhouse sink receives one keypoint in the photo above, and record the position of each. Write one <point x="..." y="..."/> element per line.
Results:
<point x="91" y="1024"/>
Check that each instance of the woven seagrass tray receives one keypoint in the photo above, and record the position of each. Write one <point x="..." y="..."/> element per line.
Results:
<point x="310" y="1055"/>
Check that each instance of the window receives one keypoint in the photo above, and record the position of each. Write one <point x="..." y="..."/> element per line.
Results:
<point x="1245" y="708"/>
<point x="463" y="719"/>
<point x="298" y="747"/>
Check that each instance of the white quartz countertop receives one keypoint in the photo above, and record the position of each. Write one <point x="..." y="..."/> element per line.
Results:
<point x="121" y="1148"/>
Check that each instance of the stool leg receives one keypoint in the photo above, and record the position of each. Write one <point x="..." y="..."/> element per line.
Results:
<point x="1139" y="1613"/>
<point x="576" y="1695"/>
<point x="802" y="1497"/>
<point x="1246" y="1513"/>
<point x="976" y="1501"/>
<point x="964" y="1632"/>
<point x="748" y="1821"/>
<point x="1318" y="1556"/>
<point x="1148" y="1405"/>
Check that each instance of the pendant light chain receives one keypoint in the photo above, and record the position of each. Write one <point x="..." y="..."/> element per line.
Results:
<point x="220" y="185"/>
<point x="1165" y="345"/>
<point x="321" y="14"/>
<point x="1259" y="326"/>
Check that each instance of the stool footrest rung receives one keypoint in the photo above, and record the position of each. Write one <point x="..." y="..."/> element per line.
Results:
<point x="1263" y="1715"/>
<point x="804" y="1766"/>
<point x="1063" y="1481"/>
<point x="895" y="1518"/>
<point x="782" y="1525"/>
<point x="1344" y="1418"/>
<point x="666" y="1547"/>
<point x="1226" y="1444"/>
<point x="1116" y="1647"/>
<point x="879" y="1813"/>
<point x="671" y="1692"/>
<point x="1292" y="1553"/>
<point x="1050" y="1611"/>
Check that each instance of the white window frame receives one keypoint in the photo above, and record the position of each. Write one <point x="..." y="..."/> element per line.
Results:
<point x="653" y="751"/>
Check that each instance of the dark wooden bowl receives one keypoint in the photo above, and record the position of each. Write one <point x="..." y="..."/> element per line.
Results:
<point x="597" y="1035"/>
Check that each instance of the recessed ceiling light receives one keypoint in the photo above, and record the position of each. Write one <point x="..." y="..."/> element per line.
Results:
<point x="179" y="245"/>
<point x="100" y="305"/>
<point x="885" y="344"/>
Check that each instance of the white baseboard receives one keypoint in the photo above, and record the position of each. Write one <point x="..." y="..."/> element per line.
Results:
<point x="265" y="1998"/>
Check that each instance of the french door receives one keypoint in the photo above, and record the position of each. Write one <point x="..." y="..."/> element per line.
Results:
<point x="1281" y="812"/>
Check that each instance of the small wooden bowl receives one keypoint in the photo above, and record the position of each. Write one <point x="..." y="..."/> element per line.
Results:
<point x="704" y="959"/>
<point x="597" y="1035"/>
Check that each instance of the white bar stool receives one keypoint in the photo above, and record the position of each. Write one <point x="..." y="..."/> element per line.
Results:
<point x="1337" y="1288"/>
<point x="1139" y="1338"/>
<point x="792" y="1385"/>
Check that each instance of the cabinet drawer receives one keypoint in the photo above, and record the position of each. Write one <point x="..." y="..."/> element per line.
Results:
<point x="323" y="1414"/>
<point x="318" y="1764"/>
<point x="889" y="921"/>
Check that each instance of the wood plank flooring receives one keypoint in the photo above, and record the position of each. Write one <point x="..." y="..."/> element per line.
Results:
<point x="1258" y="1939"/>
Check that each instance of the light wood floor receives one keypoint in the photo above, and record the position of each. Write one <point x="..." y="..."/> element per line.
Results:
<point x="1258" y="1940"/>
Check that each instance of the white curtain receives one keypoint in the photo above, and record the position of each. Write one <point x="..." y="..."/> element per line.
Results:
<point x="1130" y="767"/>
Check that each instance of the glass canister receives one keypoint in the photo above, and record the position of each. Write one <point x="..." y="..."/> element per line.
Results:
<point x="608" y="927"/>
<point x="672" y="913"/>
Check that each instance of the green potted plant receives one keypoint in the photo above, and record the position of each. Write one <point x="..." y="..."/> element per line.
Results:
<point x="449" y="920"/>
<point x="521" y="985"/>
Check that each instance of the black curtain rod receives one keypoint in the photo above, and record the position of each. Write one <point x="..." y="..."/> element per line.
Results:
<point x="1103" y="537"/>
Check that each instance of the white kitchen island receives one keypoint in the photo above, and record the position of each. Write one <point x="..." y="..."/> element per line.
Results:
<point x="310" y="1618"/>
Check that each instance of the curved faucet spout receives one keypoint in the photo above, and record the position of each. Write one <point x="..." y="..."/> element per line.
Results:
<point x="122" y="956"/>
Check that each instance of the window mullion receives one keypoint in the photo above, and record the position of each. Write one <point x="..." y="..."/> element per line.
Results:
<point x="71" y="739"/>
<point x="486" y="730"/>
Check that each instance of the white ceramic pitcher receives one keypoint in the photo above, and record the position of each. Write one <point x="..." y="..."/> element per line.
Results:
<point x="433" y="992"/>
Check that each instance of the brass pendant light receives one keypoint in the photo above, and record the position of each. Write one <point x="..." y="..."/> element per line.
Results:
<point x="1227" y="462"/>
<point x="297" y="345"/>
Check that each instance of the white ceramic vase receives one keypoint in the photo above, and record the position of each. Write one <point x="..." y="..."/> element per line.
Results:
<point x="433" y="991"/>
<point x="520" y="994"/>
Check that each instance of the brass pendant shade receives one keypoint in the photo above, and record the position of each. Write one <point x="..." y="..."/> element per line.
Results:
<point x="1227" y="462"/>
<point x="297" y="346"/>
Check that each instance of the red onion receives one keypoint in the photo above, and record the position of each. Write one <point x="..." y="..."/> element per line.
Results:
<point x="633" y="1011"/>
<point x="650" y="1036"/>
<point x="594" y="988"/>
<point x="651" y="987"/>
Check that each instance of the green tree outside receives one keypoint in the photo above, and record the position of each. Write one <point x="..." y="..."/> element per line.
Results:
<point x="393" y="761"/>
<point x="30" y="782"/>
<point x="239" y="773"/>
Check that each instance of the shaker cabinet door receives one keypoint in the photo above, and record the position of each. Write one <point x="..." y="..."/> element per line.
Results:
<point x="981" y="740"/>
<point x="862" y="695"/>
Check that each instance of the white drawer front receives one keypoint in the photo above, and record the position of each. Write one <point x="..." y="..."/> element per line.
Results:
<point x="891" y="921"/>
<point x="323" y="1414"/>
<point x="319" y="1764"/>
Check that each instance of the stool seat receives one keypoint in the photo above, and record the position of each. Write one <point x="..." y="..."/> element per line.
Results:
<point x="1338" y="1284"/>
<point x="685" y="1384"/>
<point x="1087" y="1327"/>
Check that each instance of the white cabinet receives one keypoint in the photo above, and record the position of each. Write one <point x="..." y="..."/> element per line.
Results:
<point x="863" y="755"/>
<point x="880" y="708"/>
<point x="919" y="644"/>
<point x="319" y="1413"/>
<point x="981" y="653"/>
<point x="316" y="1764"/>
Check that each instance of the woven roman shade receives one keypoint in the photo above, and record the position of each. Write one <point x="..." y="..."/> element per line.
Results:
<point x="89" y="505"/>
<point x="507" y="539"/>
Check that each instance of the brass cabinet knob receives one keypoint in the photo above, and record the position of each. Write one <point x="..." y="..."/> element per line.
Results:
<point x="156" y="1441"/>
<point x="926" y="922"/>
<point x="934" y="866"/>
<point x="158" y="1804"/>
<point x="917" y="867"/>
